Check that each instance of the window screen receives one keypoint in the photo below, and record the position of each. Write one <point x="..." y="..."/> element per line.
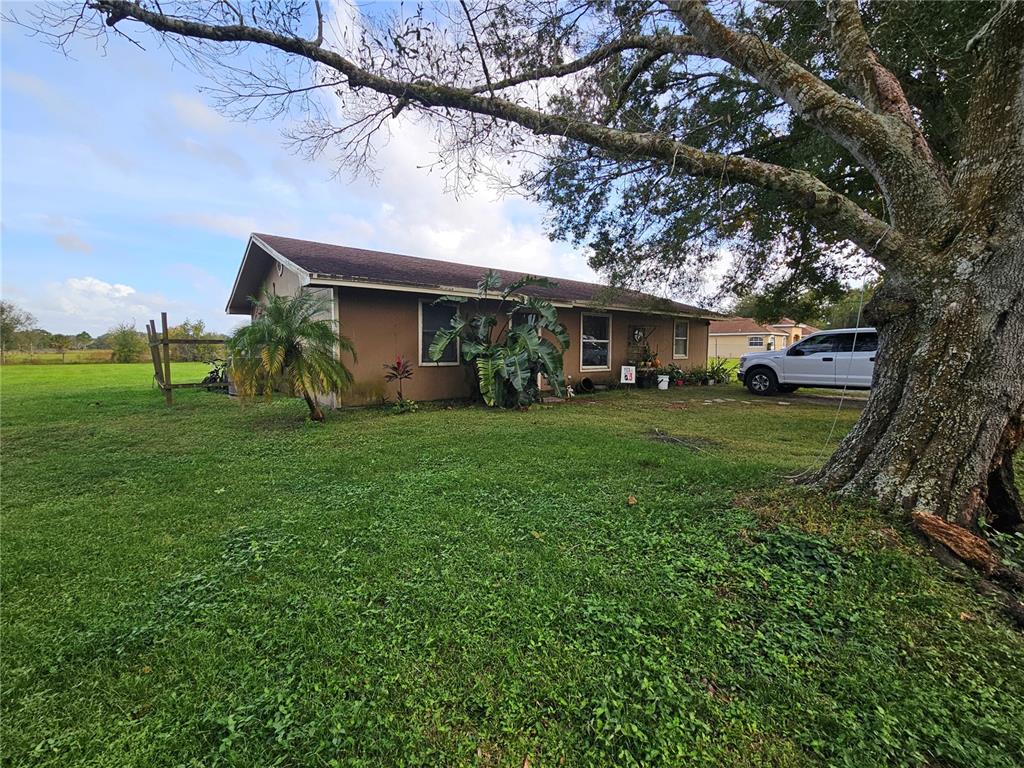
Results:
<point x="596" y="346"/>
<point x="434" y="317"/>
<point x="680" y="338"/>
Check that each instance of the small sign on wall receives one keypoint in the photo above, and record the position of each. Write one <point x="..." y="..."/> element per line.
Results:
<point x="628" y="374"/>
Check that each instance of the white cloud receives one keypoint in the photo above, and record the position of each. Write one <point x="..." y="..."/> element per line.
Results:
<point x="191" y="111"/>
<point x="88" y="303"/>
<point x="73" y="243"/>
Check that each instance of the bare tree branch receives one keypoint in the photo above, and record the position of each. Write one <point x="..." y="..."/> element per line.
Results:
<point x="681" y="45"/>
<point x="479" y="49"/>
<point x="821" y="203"/>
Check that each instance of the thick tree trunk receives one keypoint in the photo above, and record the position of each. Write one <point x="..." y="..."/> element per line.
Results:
<point x="946" y="412"/>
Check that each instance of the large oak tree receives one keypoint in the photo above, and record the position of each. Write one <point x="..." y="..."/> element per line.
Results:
<point x="806" y="136"/>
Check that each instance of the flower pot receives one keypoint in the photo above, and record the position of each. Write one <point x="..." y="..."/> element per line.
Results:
<point x="663" y="381"/>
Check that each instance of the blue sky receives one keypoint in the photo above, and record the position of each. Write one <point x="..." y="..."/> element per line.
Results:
<point x="124" y="193"/>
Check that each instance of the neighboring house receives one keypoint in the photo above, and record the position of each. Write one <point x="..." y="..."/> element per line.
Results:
<point x="737" y="336"/>
<point x="385" y="305"/>
<point x="794" y="331"/>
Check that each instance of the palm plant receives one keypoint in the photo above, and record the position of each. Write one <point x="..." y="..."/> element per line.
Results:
<point x="289" y="341"/>
<point x="506" y="346"/>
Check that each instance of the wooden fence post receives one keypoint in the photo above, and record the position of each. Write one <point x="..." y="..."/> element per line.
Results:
<point x="168" y="395"/>
<point x="154" y="353"/>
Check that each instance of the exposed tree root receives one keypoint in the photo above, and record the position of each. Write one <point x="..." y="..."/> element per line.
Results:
<point x="970" y="548"/>
<point x="1000" y="582"/>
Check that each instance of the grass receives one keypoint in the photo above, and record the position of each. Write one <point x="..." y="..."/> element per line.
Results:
<point x="216" y="585"/>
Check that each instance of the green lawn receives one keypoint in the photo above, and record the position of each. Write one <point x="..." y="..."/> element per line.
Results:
<point x="221" y="585"/>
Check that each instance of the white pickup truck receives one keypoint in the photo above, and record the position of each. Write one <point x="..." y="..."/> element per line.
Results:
<point x="844" y="357"/>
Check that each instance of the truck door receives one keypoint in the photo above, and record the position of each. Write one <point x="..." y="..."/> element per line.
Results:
<point x="855" y="367"/>
<point x="812" y="362"/>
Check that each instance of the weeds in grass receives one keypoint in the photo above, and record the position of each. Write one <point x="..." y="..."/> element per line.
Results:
<point x="209" y="585"/>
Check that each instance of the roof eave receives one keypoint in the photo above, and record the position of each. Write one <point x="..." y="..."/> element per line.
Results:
<point x="355" y="282"/>
<point x="242" y="305"/>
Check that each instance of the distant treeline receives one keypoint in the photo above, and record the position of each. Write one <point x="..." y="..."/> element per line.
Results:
<point x="21" y="341"/>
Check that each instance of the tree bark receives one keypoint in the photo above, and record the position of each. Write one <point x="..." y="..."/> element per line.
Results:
<point x="946" y="412"/>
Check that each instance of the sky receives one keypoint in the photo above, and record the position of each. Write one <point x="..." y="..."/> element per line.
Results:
<point x="123" y="193"/>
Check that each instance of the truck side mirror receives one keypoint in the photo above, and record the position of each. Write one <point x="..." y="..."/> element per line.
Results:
<point x="795" y="352"/>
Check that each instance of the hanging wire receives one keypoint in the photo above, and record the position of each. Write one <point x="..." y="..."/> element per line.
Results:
<point x="846" y="381"/>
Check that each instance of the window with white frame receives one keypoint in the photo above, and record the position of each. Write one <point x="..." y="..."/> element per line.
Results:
<point x="596" y="342"/>
<point x="681" y="339"/>
<point x="755" y="341"/>
<point x="434" y="317"/>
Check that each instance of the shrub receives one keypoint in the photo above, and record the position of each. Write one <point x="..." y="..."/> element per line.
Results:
<point x="508" y="362"/>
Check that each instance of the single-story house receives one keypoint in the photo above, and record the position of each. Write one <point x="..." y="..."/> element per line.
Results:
<point x="794" y="331"/>
<point x="737" y="336"/>
<point x="384" y="303"/>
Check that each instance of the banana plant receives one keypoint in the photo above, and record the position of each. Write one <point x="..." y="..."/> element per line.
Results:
<point x="508" y="338"/>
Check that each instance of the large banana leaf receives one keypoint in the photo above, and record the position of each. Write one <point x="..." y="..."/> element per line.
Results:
<point x="518" y="284"/>
<point x="482" y="326"/>
<point x="472" y="350"/>
<point x="544" y="309"/>
<point x="488" y="371"/>
<point x="517" y="369"/>
<point x="491" y="281"/>
<point x="551" y="360"/>
<point x="442" y="339"/>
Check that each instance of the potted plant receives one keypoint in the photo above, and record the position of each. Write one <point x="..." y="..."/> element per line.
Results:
<point x="718" y="371"/>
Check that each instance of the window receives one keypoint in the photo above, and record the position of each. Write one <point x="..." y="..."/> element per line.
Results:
<point x="755" y="341"/>
<point x="524" y="316"/>
<point x="680" y="339"/>
<point x="596" y="342"/>
<point x="825" y="342"/>
<point x="434" y="317"/>
<point x="866" y="342"/>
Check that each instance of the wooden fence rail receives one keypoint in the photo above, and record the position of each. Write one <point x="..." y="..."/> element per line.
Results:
<point x="160" y="350"/>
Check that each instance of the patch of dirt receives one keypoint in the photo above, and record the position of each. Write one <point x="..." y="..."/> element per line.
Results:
<point x="698" y="444"/>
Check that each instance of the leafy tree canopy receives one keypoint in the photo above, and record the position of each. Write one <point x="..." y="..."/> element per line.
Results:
<point x="646" y="225"/>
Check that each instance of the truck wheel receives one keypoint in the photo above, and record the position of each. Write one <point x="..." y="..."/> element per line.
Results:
<point x="762" y="381"/>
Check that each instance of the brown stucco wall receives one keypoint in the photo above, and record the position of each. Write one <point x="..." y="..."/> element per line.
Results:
<point x="659" y="340"/>
<point x="383" y="325"/>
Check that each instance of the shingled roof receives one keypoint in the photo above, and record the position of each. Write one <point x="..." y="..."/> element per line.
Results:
<point x="739" y="325"/>
<point x="326" y="264"/>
